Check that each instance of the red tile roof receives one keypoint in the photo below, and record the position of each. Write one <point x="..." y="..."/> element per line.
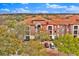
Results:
<point x="70" y="20"/>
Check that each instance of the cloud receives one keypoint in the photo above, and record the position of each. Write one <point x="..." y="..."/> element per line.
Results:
<point x="41" y="11"/>
<point x="26" y="7"/>
<point x="17" y="10"/>
<point x="21" y="10"/>
<point x="24" y="3"/>
<point x="55" y="6"/>
<point x="5" y="9"/>
<point x="65" y="9"/>
<point x="73" y="8"/>
<point x="50" y="8"/>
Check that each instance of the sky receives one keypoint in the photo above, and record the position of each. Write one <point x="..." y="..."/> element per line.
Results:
<point x="51" y="8"/>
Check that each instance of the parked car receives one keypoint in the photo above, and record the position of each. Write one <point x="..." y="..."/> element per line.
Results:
<point x="52" y="46"/>
<point x="49" y="45"/>
<point x="46" y="45"/>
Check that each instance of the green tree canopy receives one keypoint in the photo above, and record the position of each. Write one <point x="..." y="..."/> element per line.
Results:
<point x="9" y="44"/>
<point x="42" y="36"/>
<point x="34" y="48"/>
<point x="68" y="44"/>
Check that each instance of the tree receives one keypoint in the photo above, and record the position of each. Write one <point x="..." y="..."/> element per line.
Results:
<point x="34" y="48"/>
<point x="18" y="28"/>
<point x="42" y="36"/>
<point x="21" y="30"/>
<point x="9" y="38"/>
<point x="11" y="23"/>
<point x="9" y="44"/>
<point x="68" y="44"/>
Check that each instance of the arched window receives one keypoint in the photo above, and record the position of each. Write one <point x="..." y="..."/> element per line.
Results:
<point x="37" y="27"/>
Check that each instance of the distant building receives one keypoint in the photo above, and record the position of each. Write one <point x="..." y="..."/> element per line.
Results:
<point x="54" y="27"/>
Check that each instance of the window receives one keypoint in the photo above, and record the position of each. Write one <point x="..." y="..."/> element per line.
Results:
<point x="62" y="30"/>
<point x="55" y="31"/>
<point x="50" y="32"/>
<point x="26" y="38"/>
<point x="75" y="27"/>
<point x="75" y="32"/>
<point x="38" y="26"/>
<point x="49" y="27"/>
